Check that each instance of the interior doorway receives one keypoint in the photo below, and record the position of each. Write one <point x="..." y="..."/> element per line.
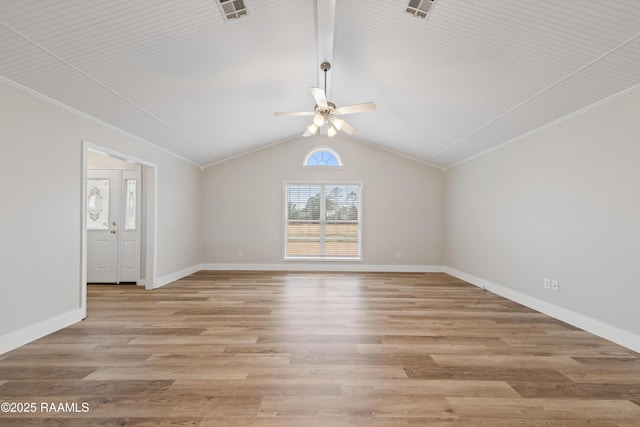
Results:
<point x="118" y="219"/>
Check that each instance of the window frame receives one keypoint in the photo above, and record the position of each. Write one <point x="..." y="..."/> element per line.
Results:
<point x="285" y="221"/>
<point x="315" y="150"/>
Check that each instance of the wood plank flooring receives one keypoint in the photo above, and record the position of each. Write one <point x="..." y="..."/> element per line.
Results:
<point x="318" y="349"/>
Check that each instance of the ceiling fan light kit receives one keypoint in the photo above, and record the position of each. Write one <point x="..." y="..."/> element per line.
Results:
<point x="318" y="120"/>
<point x="311" y="130"/>
<point x="326" y="115"/>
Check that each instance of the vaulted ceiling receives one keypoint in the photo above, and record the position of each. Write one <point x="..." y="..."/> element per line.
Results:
<point x="473" y="75"/>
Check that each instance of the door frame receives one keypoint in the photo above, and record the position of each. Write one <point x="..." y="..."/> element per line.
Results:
<point x="149" y="175"/>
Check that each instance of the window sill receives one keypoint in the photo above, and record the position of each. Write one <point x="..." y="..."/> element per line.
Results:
<point x="323" y="259"/>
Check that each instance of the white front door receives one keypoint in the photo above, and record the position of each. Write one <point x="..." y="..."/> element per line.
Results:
<point x="113" y="226"/>
<point x="102" y="219"/>
<point x="129" y="230"/>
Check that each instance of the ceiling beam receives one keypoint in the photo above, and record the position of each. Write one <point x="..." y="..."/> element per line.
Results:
<point x="326" y="16"/>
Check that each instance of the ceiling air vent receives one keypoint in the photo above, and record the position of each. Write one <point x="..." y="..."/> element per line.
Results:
<point x="232" y="9"/>
<point x="420" y="8"/>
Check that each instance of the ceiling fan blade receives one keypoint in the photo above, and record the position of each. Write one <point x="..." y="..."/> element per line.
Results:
<point x="357" y="108"/>
<point x="319" y="96"/>
<point x="294" y="113"/>
<point x="343" y="126"/>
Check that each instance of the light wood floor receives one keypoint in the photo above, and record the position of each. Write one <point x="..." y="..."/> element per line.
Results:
<point x="291" y="349"/>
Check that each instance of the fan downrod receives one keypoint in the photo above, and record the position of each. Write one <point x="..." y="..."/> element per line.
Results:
<point x="325" y="66"/>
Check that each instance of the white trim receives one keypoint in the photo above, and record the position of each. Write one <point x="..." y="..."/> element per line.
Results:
<point x="356" y="267"/>
<point x="395" y="153"/>
<point x="151" y="268"/>
<point x="322" y="259"/>
<point x="92" y="119"/>
<point x="246" y="153"/>
<point x="23" y="336"/>
<point x="83" y="230"/>
<point x="593" y="326"/>
<point x="349" y="138"/>
<point x="549" y="125"/>
<point x="107" y="88"/>
<point x="531" y="98"/>
<point x="177" y="275"/>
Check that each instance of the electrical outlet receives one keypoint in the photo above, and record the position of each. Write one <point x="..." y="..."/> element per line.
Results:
<point x="398" y="254"/>
<point x="555" y="286"/>
<point x="547" y="283"/>
<point x="240" y="252"/>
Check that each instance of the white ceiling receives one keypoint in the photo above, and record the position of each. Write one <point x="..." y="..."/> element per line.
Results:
<point x="472" y="76"/>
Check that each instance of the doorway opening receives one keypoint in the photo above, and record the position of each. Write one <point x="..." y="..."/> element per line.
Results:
<point x="118" y="219"/>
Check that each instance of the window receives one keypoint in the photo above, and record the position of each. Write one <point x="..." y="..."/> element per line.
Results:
<point x="130" y="204"/>
<point x="323" y="221"/>
<point x="322" y="157"/>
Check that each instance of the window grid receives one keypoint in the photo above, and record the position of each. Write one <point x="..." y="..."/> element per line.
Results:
<point x="322" y="157"/>
<point x="323" y="221"/>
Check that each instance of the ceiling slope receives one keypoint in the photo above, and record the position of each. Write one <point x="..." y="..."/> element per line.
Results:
<point x="472" y="76"/>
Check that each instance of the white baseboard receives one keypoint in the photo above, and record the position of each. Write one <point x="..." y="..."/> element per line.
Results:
<point x="172" y="277"/>
<point x="337" y="267"/>
<point x="593" y="326"/>
<point x="23" y="336"/>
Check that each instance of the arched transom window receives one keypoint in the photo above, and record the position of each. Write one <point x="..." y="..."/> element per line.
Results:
<point x="322" y="157"/>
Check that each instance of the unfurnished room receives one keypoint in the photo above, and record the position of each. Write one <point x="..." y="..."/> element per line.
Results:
<point x="320" y="213"/>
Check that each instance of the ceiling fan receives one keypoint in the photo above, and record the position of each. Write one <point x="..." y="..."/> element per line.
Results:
<point x="326" y="113"/>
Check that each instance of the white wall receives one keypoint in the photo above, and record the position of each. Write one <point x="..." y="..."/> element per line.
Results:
<point x="563" y="203"/>
<point x="102" y="161"/>
<point x="40" y="189"/>
<point x="243" y="208"/>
